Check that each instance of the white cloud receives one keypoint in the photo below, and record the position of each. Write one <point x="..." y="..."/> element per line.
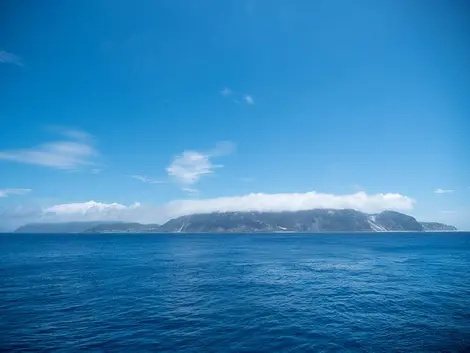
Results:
<point x="85" y="207"/>
<point x="191" y="191"/>
<point x="93" y="211"/>
<point x="10" y="58"/>
<point x="246" y="98"/>
<point x="188" y="167"/>
<point x="226" y="92"/>
<point x="76" y="134"/>
<point x="443" y="191"/>
<point x="8" y="192"/>
<point x="146" y="179"/>
<point x="249" y="99"/>
<point x="68" y="154"/>
<point x="90" y="211"/>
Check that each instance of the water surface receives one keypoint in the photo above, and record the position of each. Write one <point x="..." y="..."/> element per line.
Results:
<point x="235" y="293"/>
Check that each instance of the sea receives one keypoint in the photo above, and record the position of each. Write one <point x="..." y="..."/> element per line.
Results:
<point x="380" y="292"/>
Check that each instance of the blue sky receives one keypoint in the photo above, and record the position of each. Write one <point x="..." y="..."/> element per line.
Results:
<point x="119" y="102"/>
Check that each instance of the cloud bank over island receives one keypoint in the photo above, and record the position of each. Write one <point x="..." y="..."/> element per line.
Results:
<point x="259" y="202"/>
<point x="136" y="212"/>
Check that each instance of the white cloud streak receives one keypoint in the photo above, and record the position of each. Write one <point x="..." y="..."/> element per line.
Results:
<point x="146" y="179"/>
<point x="246" y="98"/>
<point x="191" y="191"/>
<point x="77" y="151"/>
<point x="76" y="134"/>
<point x="9" y="192"/>
<point x="443" y="191"/>
<point x="226" y="92"/>
<point x="10" y="58"/>
<point x="249" y="99"/>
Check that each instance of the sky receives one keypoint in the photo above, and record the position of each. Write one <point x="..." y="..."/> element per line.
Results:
<point x="148" y="110"/>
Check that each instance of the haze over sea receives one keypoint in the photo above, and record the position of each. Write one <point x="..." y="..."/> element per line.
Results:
<point x="235" y="293"/>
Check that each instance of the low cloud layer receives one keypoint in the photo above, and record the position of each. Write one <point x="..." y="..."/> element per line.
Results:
<point x="293" y="202"/>
<point x="93" y="211"/>
<point x="87" y="208"/>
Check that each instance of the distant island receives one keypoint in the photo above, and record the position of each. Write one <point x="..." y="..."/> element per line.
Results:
<point x="311" y="221"/>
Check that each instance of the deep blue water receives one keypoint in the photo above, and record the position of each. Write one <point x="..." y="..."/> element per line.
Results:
<point x="235" y="293"/>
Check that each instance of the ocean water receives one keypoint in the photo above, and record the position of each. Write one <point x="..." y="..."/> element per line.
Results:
<point x="235" y="293"/>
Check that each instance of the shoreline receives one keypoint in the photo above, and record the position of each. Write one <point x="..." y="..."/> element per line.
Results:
<point x="246" y="233"/>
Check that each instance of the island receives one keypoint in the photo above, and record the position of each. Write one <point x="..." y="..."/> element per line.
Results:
<point x="309" y="221"/>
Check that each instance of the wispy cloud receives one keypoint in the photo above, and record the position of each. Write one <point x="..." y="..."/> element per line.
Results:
<point x="236" y="97"/>
<point x="74" y="152"/>
<point x="191" y="191"/>
<point x="443" y="191"/>
<point x="10" y="58"/>
<point x="249" y="99"/>
<point x="74" y="134"/>
<point x="8" y="192"/>
<point x="222" y="148"/>
<point x="190" y="166"/>
<point x="146" y="179"/>
<point x="226" y="92"/>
